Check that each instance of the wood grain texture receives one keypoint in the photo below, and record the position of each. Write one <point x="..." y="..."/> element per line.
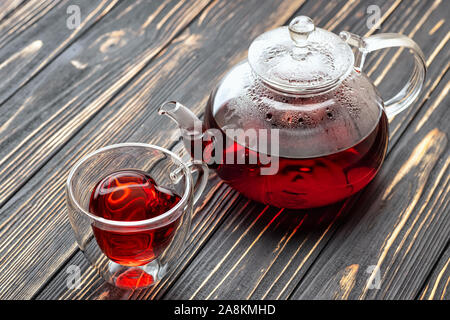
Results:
<point x="28" y="45"/>
<point x="51" y="108"/>
<point x="64" y="110"/>
<point x="268" y="233"/>
<point x="33" y="226"/>
<point x="8" y="7"/>
<point x="437" y="286"/>
<point x="191" y="90"/>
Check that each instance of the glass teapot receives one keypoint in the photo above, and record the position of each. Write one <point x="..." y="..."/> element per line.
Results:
<point x="298" y="124"/>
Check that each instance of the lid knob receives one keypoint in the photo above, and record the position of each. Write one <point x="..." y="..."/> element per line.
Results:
<point x="300" y="28"/>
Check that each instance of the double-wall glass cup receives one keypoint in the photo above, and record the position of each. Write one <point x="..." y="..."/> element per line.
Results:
<point x="157" y="241"/>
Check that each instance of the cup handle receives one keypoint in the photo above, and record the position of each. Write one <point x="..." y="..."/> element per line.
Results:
<point x="202" y="179"/>
<point x="406" y="96"/>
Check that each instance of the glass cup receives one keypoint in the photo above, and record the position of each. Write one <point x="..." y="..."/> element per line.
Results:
<point x="163" y="235"/>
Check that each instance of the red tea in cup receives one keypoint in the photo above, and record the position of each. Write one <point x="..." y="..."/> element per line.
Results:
<point x="132" y="195"/>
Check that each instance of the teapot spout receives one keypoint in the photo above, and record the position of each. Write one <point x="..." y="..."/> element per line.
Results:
<point x="187" y="121"/>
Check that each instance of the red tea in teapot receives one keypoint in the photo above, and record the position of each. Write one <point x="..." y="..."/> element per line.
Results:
<point x="132" y="195"/>
<point x="302" y="182"/>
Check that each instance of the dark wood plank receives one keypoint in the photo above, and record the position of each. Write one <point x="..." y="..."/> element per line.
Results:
<point x="8" y="7"/>
<point x="400" y="224"/>
<point x="437" y="286"/>
<point x="76" y="95"/>
<point x="192" y="91"/>
<point x="186" y="71"/>
<point x="59" y="100"/>
<point x="28" y="45"/>
<point x="223" y="270"/>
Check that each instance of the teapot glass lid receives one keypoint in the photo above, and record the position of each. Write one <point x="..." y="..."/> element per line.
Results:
<point x="300" y="58"/>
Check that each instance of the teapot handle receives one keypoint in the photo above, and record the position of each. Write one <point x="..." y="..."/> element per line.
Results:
<point x="406" y="96"/>
<point x="202" y="179"/>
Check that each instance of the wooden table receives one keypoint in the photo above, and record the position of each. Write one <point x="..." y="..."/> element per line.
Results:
<point x="67" y="91"/>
